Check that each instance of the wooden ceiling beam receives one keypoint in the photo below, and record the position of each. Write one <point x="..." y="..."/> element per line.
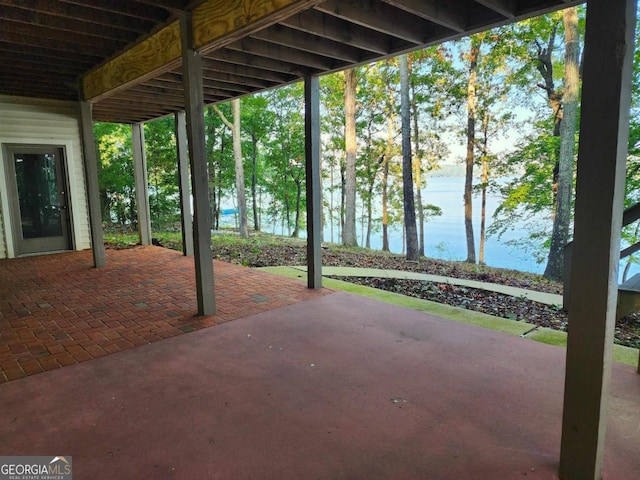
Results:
<point x="160" y="87"/>
<point x="87" y="14"/>
<point x="126" y="105"/>
<point x="232" y="88"/>
<point x="77" y="66"/>
<point x="217" y="23"/>
<point x="15" y="37"/>
<point x="506" y="8"/>
<point x="250" y="72"/>
<point x="239" y="58"/>
<point x="240" y="80"/>
<point x="40" y="74"/>
<point x="30" y="17"/>
<point x="442" y="12"/>
<point x="48" y="54"/>
<point x="135" y="10"/>
<point x="146" y="93"/>
<point x="159" y="52"/>
<point x="78" y="39"/>
<point x="288" y="37"/>
<point x="378" y="16"/>
<point x="117" y="115"/>
<point x="150" y="101"/>
<point x="253" y="46"/>
<point x="176" y="7"/>
<point x="9" y="79"/>
<point x="173" y="80"/>
<point x="317" y="23"/>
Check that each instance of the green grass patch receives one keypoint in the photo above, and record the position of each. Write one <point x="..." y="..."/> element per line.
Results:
<point x="628" y="355"/>
<point x="549" y="336"/>
<point x="621" y="354"/>
<point x="121" y="240"/>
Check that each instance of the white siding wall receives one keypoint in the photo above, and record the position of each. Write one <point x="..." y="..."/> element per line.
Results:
<point x="42" y="122"/>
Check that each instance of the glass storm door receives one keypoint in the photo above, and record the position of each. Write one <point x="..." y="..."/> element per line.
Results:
<point x="40" y="208"/>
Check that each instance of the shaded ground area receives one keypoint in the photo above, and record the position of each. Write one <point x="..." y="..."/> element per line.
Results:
<point x="288" y="254"/>
<point x="500" y="305"/>
<point x="335" y="387"/>
<point x="496" y="304"/>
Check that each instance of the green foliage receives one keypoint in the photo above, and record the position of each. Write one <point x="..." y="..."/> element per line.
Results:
<point x="285" y="158"/>
<point x="527" y="194"/>
<point x="115" y="172"/>
<point x="162" y="166"/>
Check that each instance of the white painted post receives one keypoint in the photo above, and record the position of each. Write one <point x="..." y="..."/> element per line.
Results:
<point x="602" y="155"/>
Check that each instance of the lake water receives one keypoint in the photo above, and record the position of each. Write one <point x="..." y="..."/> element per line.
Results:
<point x="445" y="236"/>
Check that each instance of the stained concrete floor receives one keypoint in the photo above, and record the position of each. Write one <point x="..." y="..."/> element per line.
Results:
<point x="334" y="387"/>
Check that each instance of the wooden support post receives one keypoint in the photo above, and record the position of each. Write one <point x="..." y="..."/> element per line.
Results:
<point x="142" y="184"/>
<point x="313" y="181"/>
<point x="183" y="182"/>
<point x="91" y="182"/>
<point x="194" y="103"/>
<point x="596" y="247"/>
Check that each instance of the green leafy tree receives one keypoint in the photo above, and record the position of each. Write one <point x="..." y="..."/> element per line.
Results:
<point x="115" y="173"/>
<point x="286" y="157"/>
<point x="332" y="129"/>
<point x="162" y="173"/>
<point x="220" y="161"/>
<point x="238" y="159"/>
<point x="257" y="120"/>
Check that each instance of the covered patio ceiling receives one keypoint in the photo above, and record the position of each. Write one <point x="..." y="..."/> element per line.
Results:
<point x="67" y="47"/>
<point x="123" y="62"/>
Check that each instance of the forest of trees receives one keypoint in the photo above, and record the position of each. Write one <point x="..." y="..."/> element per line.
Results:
<point x="503" y="103"/>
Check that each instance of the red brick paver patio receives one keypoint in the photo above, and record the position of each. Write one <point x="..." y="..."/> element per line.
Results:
<point x="57" y="310"/>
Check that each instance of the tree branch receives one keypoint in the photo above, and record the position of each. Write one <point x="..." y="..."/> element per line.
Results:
<point x="222" y="117"/>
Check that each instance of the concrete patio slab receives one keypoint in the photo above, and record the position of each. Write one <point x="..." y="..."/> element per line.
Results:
<point x="338" y="386"/>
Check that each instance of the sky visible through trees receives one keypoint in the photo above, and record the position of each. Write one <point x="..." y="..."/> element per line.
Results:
<point x="498" y="106"/>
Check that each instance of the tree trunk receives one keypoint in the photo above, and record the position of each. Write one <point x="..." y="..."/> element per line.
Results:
<point x="385" y="185"/>
<point x="349" y="237"/>
<point x="369" y="214"/>
<point x="474" y="52"/>
<point x="485" y="180"/>
<point x="331" y="189"/>
<point x="418" y="170"/>
<point x="562" y="219"/>
<point x="545" y="68"/>
<point x="237" y="155"/>
<point x="407" y="164"/>
<point x="296" y="226"/>
<point x="342" y="196"/>
<point x="254" y="182"/>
